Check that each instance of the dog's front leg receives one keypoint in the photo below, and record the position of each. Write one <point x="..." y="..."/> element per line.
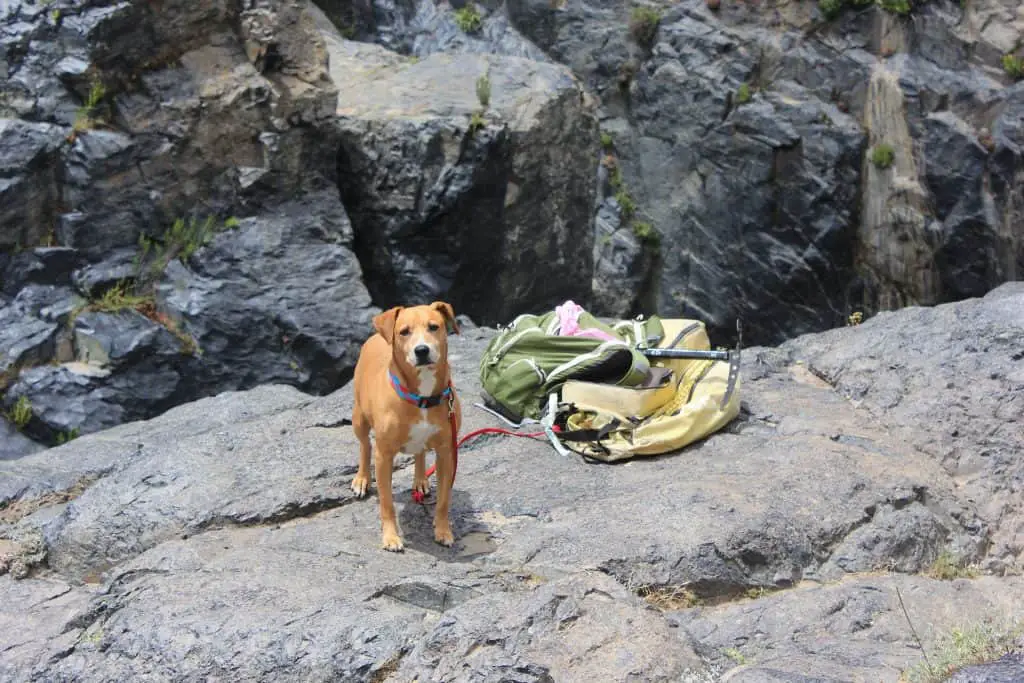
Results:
<point x="361" y="482"/>
<point x="419" y="474"/>
<point x="442" y="526"/>
<point x="390" y="538"/>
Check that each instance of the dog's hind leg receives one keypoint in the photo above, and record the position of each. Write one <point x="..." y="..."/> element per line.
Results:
<point x="361" y="482"/>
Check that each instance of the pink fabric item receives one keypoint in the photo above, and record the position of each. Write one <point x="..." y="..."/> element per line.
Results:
<point x="569" y="324"/>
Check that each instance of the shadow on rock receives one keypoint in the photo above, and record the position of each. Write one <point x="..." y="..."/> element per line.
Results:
<point x="472" y="540"/>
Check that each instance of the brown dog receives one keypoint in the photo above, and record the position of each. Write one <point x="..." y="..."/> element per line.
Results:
<point x="403" y="393"/>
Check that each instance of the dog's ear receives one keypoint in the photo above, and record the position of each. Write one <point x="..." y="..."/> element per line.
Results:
<point x="385" y="323"/>
<point x="449" y="315"/>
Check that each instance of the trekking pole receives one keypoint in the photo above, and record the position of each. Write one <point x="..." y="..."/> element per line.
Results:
<point x="685" y="353"/>
<point x="695" y="354"/>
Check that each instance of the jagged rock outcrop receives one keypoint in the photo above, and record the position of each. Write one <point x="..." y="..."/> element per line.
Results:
<point x="790" y="545"/>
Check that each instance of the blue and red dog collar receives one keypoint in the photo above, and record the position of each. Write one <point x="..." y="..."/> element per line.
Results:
<point x="416" y="399"/>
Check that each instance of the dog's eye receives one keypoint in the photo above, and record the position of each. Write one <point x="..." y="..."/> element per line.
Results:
<point x="405" y="332"/>
<point x="433" y="327"/>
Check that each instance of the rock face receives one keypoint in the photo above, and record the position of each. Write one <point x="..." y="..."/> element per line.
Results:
<point x="205" y="134"/>
<point x="442" y="203"/>
<point x="745" y="137"/>
<point x="745" y="134"/>
<point x="220" y="540"/>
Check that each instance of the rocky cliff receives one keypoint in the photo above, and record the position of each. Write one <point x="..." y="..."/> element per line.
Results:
<point x="201" y="197"/>
<point x="861" y="518"/>
<point x="171" y="224"/>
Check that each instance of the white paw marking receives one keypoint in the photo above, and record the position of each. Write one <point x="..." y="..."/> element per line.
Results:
<point x="360" y="486"/>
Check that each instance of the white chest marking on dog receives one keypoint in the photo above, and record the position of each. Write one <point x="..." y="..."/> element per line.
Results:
<point x="428" y="381"/>
<point x="419" y="434"/>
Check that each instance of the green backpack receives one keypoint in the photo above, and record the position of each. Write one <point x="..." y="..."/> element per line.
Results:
<point x="528" y="360"/>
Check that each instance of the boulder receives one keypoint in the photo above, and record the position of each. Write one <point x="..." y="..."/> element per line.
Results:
<point x="43" y="265"/>
<point x="67" y="400"/>
<point x="94" y="279"/>
<point x="278" y="299"/>
<point x="423" y="27"/>
<point x="24" y="341"/>
<point x="419" y="175"/>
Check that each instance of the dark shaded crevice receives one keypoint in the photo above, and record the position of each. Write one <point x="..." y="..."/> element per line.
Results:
<point x="343" y="422"/>
<point x="646" y="302"/>
<point x="354" y="19"/>
<point x="444" y="247"/>
<point x="285" y="513"/>
<point x="436" y="598"/>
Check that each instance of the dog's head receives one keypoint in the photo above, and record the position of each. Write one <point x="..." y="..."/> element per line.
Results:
<point x="418" y="335"/>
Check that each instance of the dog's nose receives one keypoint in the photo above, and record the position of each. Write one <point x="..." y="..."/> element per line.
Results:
<point x="422" y="352"/>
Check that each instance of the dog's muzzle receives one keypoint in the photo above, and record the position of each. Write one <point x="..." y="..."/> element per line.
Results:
<point x="422" y="353"/>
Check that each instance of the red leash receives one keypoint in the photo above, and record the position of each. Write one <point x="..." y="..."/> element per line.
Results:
<point x="418" y="496"/>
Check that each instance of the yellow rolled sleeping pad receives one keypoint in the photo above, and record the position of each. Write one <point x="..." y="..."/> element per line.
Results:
<point x="682" y="402"/>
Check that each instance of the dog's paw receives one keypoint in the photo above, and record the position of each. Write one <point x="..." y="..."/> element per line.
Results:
<point x="421" y="485"/>
<point x="444" y="536"/>
<point x="360" y="485"/>
<point x="392" y="543"/>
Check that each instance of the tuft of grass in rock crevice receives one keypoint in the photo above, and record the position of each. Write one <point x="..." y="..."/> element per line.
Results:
<point x="965" y="646"/>
<point x="743" y="94"/>
<point x="468" y="18"/>
<point x="1013" y="66"/>
<point x="643" y="230"/>
<point x="120" y="297"/>
<point x="948" y="567"/>
<point x="831" y="9"/>
<point x="477" y="119"/>
<point x="124" y="296"/>
<point x="180" y="241"/>
<point x="669" y="598"/>
<point x="643" y="26"/>
<point x="20" y="414"/>
<point x="883" y="155"/>
<point x="85" y="117"/>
